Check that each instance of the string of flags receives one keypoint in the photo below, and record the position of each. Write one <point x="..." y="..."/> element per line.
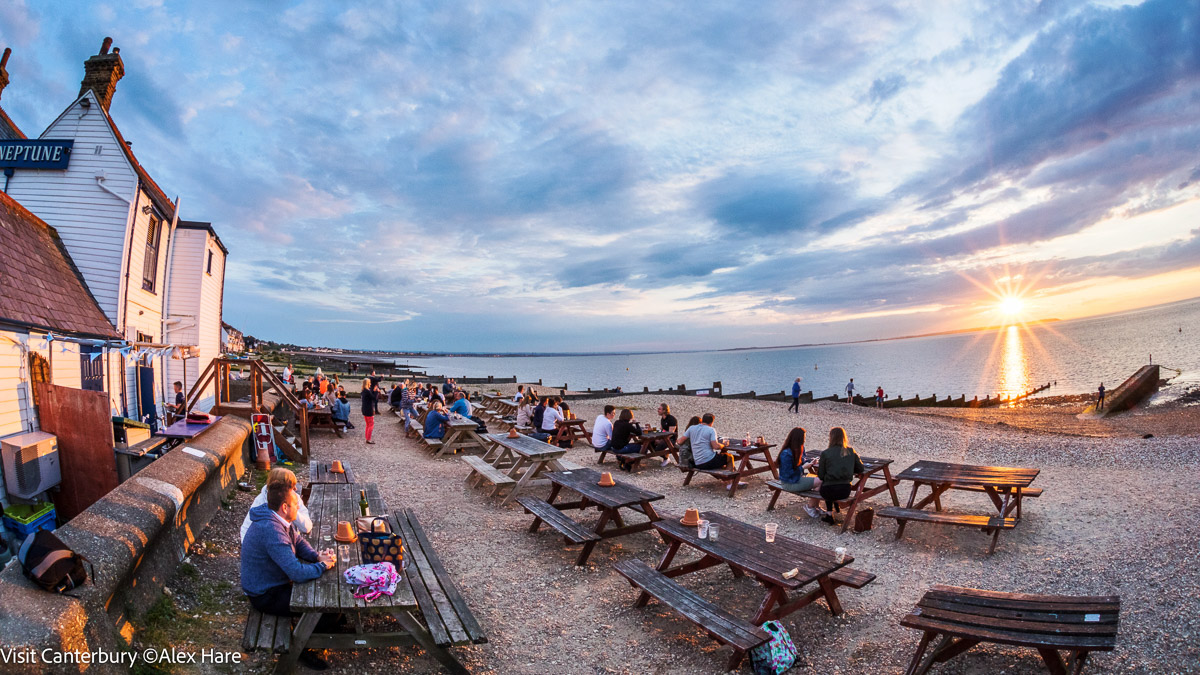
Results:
<point x="127" y="350"/>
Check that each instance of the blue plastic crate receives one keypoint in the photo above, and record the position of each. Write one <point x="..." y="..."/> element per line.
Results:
<point x="44" y="522"/>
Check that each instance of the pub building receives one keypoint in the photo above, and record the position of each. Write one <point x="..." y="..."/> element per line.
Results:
<point x="158" y="280"/>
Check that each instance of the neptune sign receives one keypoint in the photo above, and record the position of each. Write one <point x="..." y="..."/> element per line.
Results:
<point x="28" y="154"/>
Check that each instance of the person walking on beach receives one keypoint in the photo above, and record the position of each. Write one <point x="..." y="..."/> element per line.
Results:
<point x="370" y="404"/>
<point x="795" y="396"/>
<point x="879" y="397"/>
<point x="1100" y="398"/>
<point x="850" y="392"/>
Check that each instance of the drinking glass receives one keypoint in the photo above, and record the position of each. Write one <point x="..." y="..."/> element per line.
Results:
<point x="344" y="553"/>
<point x="769" y="529"/>
<point x="714" y="531"/>
<point x="326" y="532"/>
<point x="703" y="529"/>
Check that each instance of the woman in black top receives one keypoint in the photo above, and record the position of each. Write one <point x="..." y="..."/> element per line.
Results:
<point x="624" y="429"/>
<point x="370" y="403"/>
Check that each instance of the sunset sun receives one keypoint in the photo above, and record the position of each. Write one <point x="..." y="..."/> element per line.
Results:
<point x="1011" y="306"/>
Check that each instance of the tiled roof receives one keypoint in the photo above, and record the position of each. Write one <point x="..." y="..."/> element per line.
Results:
<point x="8" y="129"/>
<point x="39" y="284"/>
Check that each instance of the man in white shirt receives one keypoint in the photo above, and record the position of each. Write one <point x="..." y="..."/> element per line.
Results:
<point x="551" y="416"/>
<point x="602" y="429"/>
<point x="850" y="391"/>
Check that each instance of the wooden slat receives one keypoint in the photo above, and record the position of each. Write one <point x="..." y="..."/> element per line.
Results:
<point x="491" y="474"/>
<point x="942" y="518"/>
<point x="448" y="587"/>
<point x="250" y="632"/>
<point x="585" y="482"/>
<point x="568" y="526"/>
<point x="727" y="628"/>
<point x="438" y="612"/>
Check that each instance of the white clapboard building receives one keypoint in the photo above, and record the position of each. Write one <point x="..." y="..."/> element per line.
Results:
<point x="123" y="235"/>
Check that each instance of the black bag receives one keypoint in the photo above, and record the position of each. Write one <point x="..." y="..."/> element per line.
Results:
<point x="381" y="545"/>
<point x="50" y="564"/>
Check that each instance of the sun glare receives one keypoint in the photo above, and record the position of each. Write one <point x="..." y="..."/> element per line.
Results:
<point x="1011" y="306"/>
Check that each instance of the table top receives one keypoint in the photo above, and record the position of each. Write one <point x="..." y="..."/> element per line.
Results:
<point x="527" y="447"/>
<point x="461" y="423"/>
<point x="870" y="463"/>
<point x="584" y="481"/>
<point x="745" y="546"/>
<point x="328" y="504"/>
<point x="654" y="435"/>
<point x="967" y="474"/>
<point x="737" y="447"/>
<point x="318" y="472"/>
<point x="567" y="423"/>
<point x="182" y="429"/>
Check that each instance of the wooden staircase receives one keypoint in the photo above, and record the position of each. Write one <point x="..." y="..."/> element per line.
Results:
<point x="295" y="447"/>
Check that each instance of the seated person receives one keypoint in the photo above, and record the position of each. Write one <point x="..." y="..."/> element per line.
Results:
<point x="668" y="423"/>
<point x="275" y="556"/>
<point x="707" y="450"/>
<point x="520" y="394"/>
<point x="339" y="409"/>
<point x="793" y="472"/>
<point x="394" y="396"/>
<point x="179" y="408"/>
<point x="624" y="429"/>
<point x="539" y="411"/>
<point x="460" y="404"/>
<point x="551" y="416"/>
<point x="837" y="467"/>
<point x="303" y="521"/>
<point x="525" y="412"/>
<point x="435" y="421"/>
<point x="602" y="429"/>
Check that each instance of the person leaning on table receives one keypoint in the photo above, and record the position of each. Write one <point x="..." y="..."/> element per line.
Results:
<point x="837" y="467"/>
<point x="793" y="471"/>
<point x="275" y="556"/>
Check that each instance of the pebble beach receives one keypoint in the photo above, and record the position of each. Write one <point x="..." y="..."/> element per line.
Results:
<point x="1116" y="517"/>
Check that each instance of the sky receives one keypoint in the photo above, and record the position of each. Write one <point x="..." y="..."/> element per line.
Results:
<point x="553" y="176"/>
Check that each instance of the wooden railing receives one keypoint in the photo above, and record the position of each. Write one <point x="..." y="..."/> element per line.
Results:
<point x="262" y="379"/>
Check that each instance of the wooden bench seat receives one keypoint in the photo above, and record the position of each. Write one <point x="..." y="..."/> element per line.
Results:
<point x="482" y="470"/>
<point x="853" y="578"/>
<point x="543" y="511"/>
<point x="941" y="518"/>
<point x="433" y="443"/>
<point x="568" y="465"/>
<point x="962" y="617"/>
<point x="266" y="632"/>
<point x="716" y="622"/>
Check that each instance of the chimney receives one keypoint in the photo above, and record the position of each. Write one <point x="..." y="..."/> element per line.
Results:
<point x="101" y="72"/>
<point x="4" y="69"/>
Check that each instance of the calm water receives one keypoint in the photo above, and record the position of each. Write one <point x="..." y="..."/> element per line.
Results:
<point x="1078" y="354"/>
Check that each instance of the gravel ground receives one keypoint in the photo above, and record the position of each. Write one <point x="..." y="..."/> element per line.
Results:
<point x="1104" y="525"/>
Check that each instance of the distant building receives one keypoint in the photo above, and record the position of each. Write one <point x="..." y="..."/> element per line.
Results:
<point x="234" y="342"/>
<point x="125" y="238"/>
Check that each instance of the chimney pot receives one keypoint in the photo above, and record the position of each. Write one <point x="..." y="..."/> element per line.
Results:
<point x="4" y="59"/>
<point x="3" y="70"/>
<point x="105" y="45"/>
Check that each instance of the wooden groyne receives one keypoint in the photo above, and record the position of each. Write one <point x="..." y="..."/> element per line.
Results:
<point x="1131" y="392"/>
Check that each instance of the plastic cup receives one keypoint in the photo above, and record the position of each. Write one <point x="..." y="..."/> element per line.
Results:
<point x="769" y="529"/>
<point x="702" y="529"/>
<point x="714" y="531"/>
<point x="344" y="553"/>
<point x="841" y="554"/>
<point x="326" y="532"/>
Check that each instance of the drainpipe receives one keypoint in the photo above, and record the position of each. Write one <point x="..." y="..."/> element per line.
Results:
<point x="166" y="297"/>
<point x="123" y="290"/>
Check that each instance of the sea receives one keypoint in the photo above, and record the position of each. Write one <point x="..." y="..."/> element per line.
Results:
<point x="1073" y="356"/>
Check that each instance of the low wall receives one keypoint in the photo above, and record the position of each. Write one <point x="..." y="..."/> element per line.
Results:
<point x="135" y="537"/>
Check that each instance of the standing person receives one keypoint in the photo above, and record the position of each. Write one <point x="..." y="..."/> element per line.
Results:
<point x="370" y="405"/>
<point x="795" y="396"/>
<point x="879" y="397"/>
<point x="838" y="465"/>
<point x="408" y="409"/>
<point x="602" y="429"/>
<point x="1099" y="398"/>
<point x="289" y="374"/>
<point x="850" y="392"/>
<point x="793" y="471"/>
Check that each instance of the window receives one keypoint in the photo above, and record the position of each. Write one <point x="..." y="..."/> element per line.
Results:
<point x="91" y="370"/>
<point x="208" y="267"/>
<point x="150" y="262"/>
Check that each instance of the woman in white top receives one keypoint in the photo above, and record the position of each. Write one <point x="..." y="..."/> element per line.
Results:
<point x="525" y="411"/>
<point x="303" y="521"/>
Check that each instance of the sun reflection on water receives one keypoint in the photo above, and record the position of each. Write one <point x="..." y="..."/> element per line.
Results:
<point x="1014" y="369"/>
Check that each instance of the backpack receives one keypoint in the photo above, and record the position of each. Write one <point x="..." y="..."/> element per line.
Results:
<point x="685" y="452"/>
<point x="50" y="564"/>
<point x="775" y="656"/>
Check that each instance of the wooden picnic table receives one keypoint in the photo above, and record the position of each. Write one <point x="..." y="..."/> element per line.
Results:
<point x="569" y="431"/>
<point x="318" y="472"/>
<point x="607" y="500"/>
<point x="748" y="460"/>
<point x="500" y="404"/>
<point x="1004" y="486"/>
<point x="322" y="418"/>
<point x="425" y="589"/>
<point x="460" y="436"/>
<point x="649" y="448"/>
<point x="514" y="462"/>
<point x="875" y="468"/>
<point x="743" y="547"/>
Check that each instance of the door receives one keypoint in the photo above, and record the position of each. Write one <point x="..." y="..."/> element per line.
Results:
<point x="83" y="424"/>
<point x="147" y="406"/>
<point x="91" y="369"/>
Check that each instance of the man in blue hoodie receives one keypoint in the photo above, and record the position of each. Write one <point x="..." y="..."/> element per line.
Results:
<point x="275" y="556"/>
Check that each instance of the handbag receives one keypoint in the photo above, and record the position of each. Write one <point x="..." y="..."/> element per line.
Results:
<point x="775" y="656"/>
<point x="372" y="581"/>
<point x="379" y="544"/>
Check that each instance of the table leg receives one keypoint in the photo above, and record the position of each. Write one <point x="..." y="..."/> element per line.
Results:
<point x="921" y="647"/>
<point x="587" y="548"/>
<point x="901" y="523"/>
<point x="771" y="463"/>
<point x="304" y="628"/>
<point x="891" y="485"/>
<point x="775" y="595"/>
<point x="534" y="469"/>
<point x="663" y="564"/>
<point x="830" y="590"/>
<point x="414" y="627"/>
<point x="848" y="517"/>
<point x="1054" y="662"/>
